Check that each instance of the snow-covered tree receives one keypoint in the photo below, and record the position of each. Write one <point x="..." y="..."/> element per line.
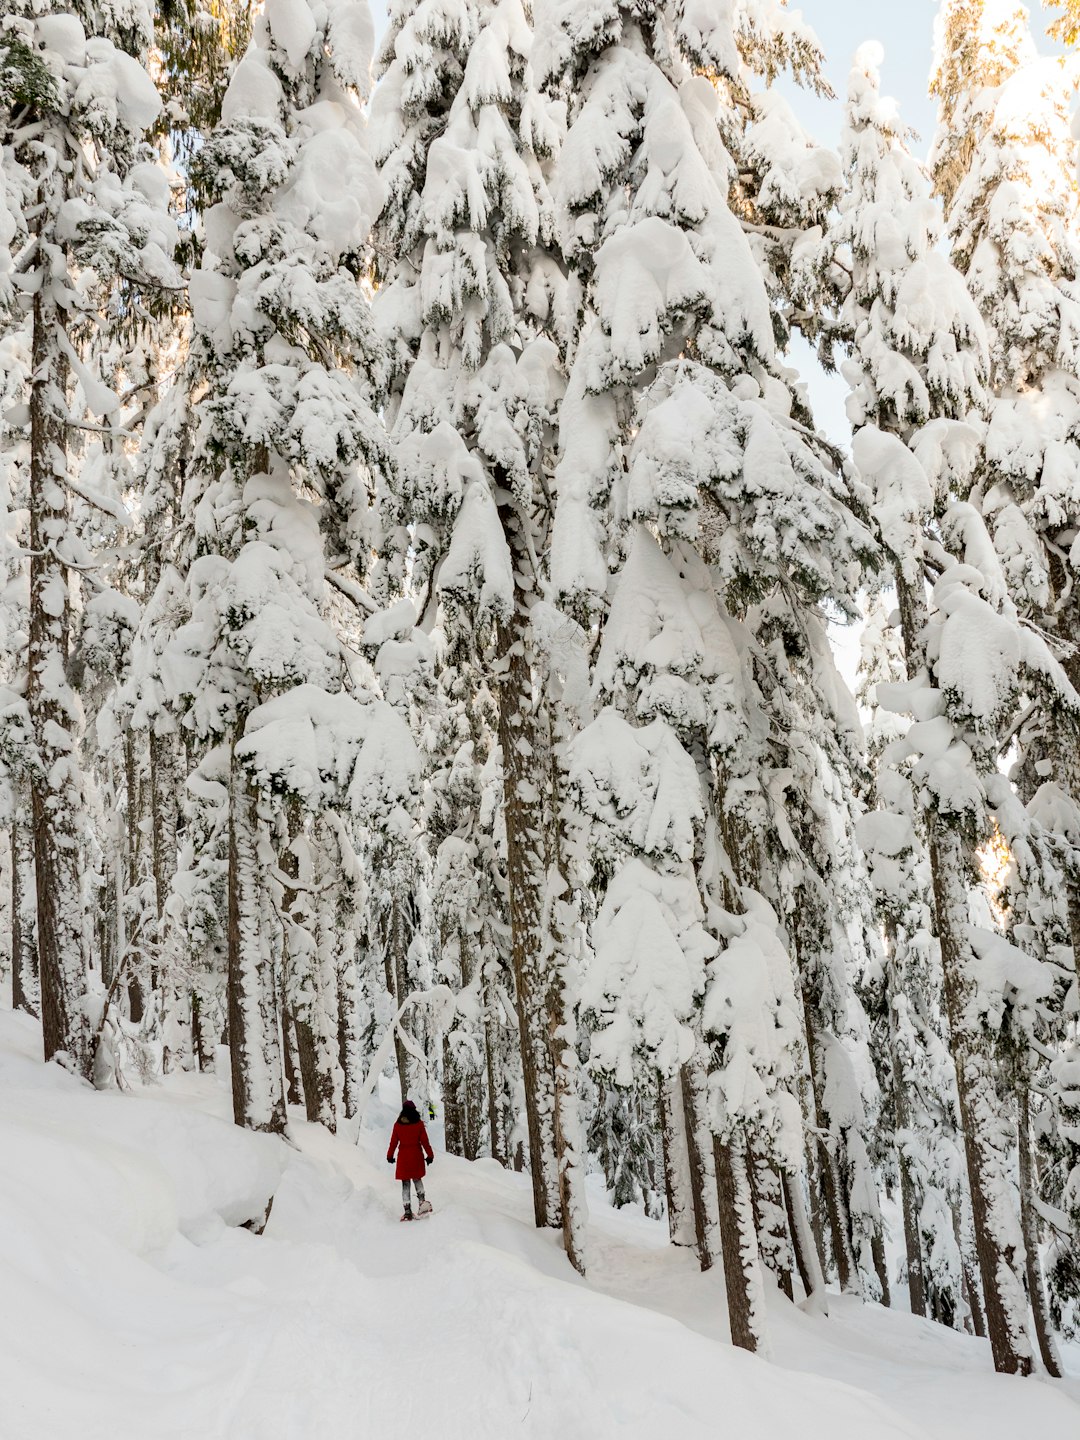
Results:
<point x="1004" y="164"/>
<point x="470" y="297"/>
<point x="282" y="378"/>
<point x="77" y="105"/>
<point x="677" y="415"/>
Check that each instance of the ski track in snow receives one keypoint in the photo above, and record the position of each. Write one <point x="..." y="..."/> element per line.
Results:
<point x="135" y="1307"/>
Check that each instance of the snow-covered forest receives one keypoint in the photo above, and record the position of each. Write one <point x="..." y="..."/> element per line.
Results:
<point x="422" y="576"/>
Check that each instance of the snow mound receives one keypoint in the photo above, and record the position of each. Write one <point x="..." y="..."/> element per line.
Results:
<point x="135" y="1307"/>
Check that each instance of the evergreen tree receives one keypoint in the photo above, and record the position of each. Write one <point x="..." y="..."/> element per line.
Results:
<point x="95" y="238"/>
<point x="674" y="339"/>
<point x="274" y="506"/>
<point x="1004" y="164"/>
<point x="470" y="296"/>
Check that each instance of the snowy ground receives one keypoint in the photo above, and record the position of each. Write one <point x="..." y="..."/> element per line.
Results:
<point x="134" y="1306"/>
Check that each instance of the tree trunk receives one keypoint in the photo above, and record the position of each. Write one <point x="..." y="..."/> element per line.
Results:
<point x="996" y="1232"/>
<point x="971" y="1285"/>
<point x="55" y="785"/>
<point x="461" y="1082"/>
<point x="569" y="1133"/>
<point x="395" y="971"/>
<point x="807" y="1257"/>
<point x="881" y="1269"/>
<point x="909" y="1203"/>
<point x="1030" y="1223"/>
<point x="130" y="841"/>
<point x="770" y="1221"/>
<point x="494" y="1076"/>
<point x="677" y="1184"/>
<point x="348" y="1039"/>
<point x="24" y="961"/>
<point x="254" y="1035"/>
<point x="832" y="1187"/>
<point x="308" y="979"/>
<point x="523" y="815"/>
<point x="702" y="1165"/>
<point x="294" y="1088"/>
<point x="204" y="1051"/>
<point x="742" y="1275"/>
<point x="318" y="1082"/>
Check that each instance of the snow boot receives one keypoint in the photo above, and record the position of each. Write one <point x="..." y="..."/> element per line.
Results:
<point x="425" y="1209"/>
<point x="408" y="1213"/>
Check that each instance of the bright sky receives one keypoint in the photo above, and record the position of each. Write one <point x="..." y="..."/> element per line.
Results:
<point x="906" y="30"/>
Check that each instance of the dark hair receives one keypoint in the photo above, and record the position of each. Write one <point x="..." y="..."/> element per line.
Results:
<point x="409" y="1114"/>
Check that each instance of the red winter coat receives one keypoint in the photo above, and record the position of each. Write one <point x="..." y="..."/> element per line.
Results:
<point x="411" y="1144"/>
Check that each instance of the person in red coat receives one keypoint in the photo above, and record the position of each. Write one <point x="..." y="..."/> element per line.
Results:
<point x="410" y="1141"/>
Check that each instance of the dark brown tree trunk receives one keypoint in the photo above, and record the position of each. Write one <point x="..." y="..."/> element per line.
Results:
<point x="971" y="1287"/>
<point x="135" y="987"/>
<point x="742" y="1280"/>
<point x="453" y="1125"/>
<point x="462" y="1104"/>
<point x="347" y="1043"/>
<point x="979" y="1106"/>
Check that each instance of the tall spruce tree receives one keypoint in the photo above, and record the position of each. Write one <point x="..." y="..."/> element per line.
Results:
<point x="471" y="296"/>
<point x="285" y="370"/>
<point x="77" y="106"/>
<point x="1004" y="165"/>
<point x="672" y="339"/>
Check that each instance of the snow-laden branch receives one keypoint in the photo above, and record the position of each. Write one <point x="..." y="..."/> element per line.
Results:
<point x="437" y="995"/>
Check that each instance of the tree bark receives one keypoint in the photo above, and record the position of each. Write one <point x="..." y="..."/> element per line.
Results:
<point x="135" y="987"/>
<point x="396" y="974"/>
<point x="742" y="1275"/>
<point x="1030" y="1223"/>
<point x="832" y="1187"/>
<point x="254" y="1035"/>
<point x="294" y="1087"/>
<point x="24" y="961"/>
<point x="55" y="784"/>
<point x="909" y="1204"/>
<point x="317" y="1081"/>
<point x="996" y="1233"/>
<point x="770" y="1221"/>
<point x="523" y="815"/>
<point x="807" y="1256"/>
<point x="984" y="1148"/>
<point x="348" y="1039"/>
<point x="702" y="1165"/>
<point x="677" y="1184"/>
<point x="493" y="1063"/>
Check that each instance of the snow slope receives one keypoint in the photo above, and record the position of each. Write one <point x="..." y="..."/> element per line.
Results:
<point x="135" y="1306"/>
